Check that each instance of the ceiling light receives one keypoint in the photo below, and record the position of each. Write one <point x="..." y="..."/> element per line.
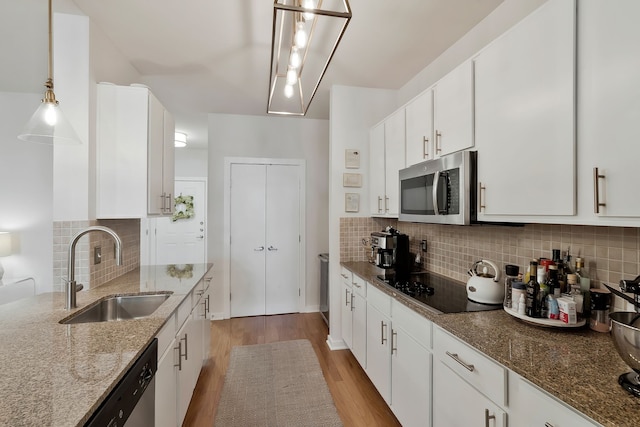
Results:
<point x="180" y="140"/>
<point x="48" y="124"/>
<point x="302" y="46"/>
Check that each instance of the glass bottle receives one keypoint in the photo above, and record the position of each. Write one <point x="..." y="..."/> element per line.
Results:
<point x="576" y="294"/>
<point x="511" y="275"/>
<point x="533" y="289"/>
<point x="566" y="265"/>
<point x="553" y="284"/>
<point x="562" y="278"/>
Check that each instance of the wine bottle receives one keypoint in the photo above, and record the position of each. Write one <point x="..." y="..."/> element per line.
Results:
<point x="533" y="289"/>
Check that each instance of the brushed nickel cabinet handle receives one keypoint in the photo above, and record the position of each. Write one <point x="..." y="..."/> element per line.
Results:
<point x="438" y="137"/>
<point x="179" y="348"/>
<point x="186" y="349"/>
<point x="455" y="357"/>
<point x="596" y="191"/>
<point x="547" y="424"/>
<point x="271" y="248"/>
<point x="383" y="326"/>
<point x="260" y="249"/>
<point x="346" y="297"/>
<point x="386" y="204"/>
<point x="394" y="342"/>
<point x="353" y="296"/>
<point x="482" y="189"/>
<point x="344" y="275"/>
<point x="379" y="202"/>
<point x="488" y="417"/>
<point x="425" y="141"/>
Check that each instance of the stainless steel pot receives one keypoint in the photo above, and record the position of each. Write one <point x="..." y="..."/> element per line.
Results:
<point x="625" y="329"/>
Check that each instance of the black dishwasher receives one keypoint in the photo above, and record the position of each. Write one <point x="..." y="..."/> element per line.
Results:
<point x="132" y="401"/>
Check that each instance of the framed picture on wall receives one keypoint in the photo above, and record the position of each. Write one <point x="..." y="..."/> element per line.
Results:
<point x="351" y="202"/>
<point x="351" y="158"/>
<point x="352" y="180"/>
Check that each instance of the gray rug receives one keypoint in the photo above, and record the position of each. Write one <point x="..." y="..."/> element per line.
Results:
<point x="277" y="384"/>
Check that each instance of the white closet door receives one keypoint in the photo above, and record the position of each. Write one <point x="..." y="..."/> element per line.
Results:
<point x="283" y="239"/>
<point x="248" y="249"/>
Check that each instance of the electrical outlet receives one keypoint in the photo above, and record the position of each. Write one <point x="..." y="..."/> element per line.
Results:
<point x="97" y="255"/>
<point x="423" y="245"/>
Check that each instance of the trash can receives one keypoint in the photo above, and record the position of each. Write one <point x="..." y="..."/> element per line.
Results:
<point x="324" y="287"/>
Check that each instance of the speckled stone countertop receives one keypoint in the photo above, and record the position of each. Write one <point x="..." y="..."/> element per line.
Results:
<point x="57" y="375"/>
<point x="578" y="366"/>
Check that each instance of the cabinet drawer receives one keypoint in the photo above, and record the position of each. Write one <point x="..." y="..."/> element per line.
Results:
<point x="166" y="335"/>
<point x="183" y="312"/>
<point x="379" y="300"/>
<point x="345" y="274"/>
<point x="412" y="323"/>
<point x="359" y="285"/>
<point x="489" y="377"/>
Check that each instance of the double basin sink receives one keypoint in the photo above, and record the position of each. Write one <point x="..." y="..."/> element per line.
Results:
<point x="116" y="308"/>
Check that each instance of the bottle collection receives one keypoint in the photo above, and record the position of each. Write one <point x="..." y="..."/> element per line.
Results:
<point x="553" y="289"/>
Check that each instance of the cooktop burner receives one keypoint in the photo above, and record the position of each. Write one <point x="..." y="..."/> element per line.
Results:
<point x="436" y="292"/>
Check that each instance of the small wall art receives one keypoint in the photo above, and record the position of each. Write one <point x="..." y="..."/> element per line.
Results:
<point x="352" y="180"/>
<point x="351" y="202"/>
<point x="351" y="158"/>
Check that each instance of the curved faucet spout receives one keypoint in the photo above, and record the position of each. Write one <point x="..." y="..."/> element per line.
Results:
<point x="71" y="287"/>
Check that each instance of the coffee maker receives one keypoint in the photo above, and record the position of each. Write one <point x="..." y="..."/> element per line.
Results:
<point x="383" y="248"/>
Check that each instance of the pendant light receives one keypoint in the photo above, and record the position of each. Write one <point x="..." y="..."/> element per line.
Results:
<point x="48" y="124"/>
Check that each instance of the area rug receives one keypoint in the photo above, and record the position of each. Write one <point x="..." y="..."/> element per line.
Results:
<point x="274" y="385"/>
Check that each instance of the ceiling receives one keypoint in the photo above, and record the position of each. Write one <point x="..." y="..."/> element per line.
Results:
<point x="212" y="56"/>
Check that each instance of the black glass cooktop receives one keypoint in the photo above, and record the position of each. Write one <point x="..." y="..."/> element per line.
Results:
<point x="436" y="292"/>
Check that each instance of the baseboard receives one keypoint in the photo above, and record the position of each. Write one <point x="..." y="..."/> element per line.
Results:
<point x="216" y="316"/>
<point x="311" y="309"/>
<point x="336" y="344"/>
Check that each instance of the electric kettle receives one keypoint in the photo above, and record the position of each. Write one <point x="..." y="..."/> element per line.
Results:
<point x="483" y="287"/>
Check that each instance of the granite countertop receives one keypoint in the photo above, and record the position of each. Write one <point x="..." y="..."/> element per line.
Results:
<point x="578" y="366"/>
<point x="57" y="375"/>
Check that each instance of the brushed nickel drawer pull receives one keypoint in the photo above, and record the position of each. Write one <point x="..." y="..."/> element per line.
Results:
<point x="379" y="201"/>
<point x="482" y="189"/>
<point x="425" y="141"/>
<point x="596" y="191"/>
<point x="438" y="137"/>
<point x="346" y="297"/>
<point x="179" y="348"/>
<point x="455" y="357"/>
<point x="352" y="298"/>
<point x="383" y="326"/>
<point x="488" y="417"/>
<point x="394" y="343"/>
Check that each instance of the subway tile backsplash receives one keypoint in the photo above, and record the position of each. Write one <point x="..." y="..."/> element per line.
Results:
<point x="88" y="273"/>
<point x="610" y="253"/>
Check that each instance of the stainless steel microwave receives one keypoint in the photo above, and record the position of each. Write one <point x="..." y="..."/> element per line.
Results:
<point x="440" y="191"/>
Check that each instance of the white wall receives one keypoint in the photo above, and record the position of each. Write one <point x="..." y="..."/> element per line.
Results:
<point x="191" y="162"/>
<point x="270" y="137"/>
<point x="26" y="193"/>
<point x="353" y="112"/>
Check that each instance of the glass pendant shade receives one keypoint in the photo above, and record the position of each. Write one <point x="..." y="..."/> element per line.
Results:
<point x="48" y="125"/>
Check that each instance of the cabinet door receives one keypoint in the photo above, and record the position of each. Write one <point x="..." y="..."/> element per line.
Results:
<point x="166" y="398"/>
<point x="457" y="404"/>
<point x="609" y="107"/>
<point x="376" y="170"/>
<point x="453" y="110"/>
<point x="184" y="389"/>
<point x="410" y="379"/>
<point x="526" y="401"/>
<point x="524" y="117"/>
<point x="378" y="351"/>
<point x="156" y="198"/>
<point x="359" y="329"/>
<point x="346" y="316"/>
<point x="419" y="129"/>
<point x="394" y="136"/>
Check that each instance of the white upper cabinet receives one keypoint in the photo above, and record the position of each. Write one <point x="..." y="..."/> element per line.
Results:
<point x="386" y="158"/>
<point x="524" y="118"/>
<point x="609" y="111"/>
<point x="419" y="129"/>
<point x="134" y="153"/>
<point x="453" y="110"/>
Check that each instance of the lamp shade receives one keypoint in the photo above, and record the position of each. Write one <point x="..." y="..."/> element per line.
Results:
<point x="48" y="125"/>
<point x="5" y="243"/>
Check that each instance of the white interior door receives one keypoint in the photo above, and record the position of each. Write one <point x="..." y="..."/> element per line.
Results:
<point x="282" y="239"/>
<point x="183" y="241"/>
<point x="247" y="269"/>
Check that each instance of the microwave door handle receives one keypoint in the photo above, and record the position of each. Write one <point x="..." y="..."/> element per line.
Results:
<point x="434" y="193"/>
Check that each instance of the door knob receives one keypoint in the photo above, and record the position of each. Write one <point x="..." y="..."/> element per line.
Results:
<point x="271" y="248"/>
<point x="261" y="248"/>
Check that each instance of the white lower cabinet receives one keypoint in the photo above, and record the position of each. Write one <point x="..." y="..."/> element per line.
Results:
<point x="379" y="348"/>
<point x="180" y="356"/>
<point x="469" y="389"/>
<point x="530" y="406"/>
<point x="359" y="328"/>
<point x="345" y="308"/>
<point x="410" y="366"/>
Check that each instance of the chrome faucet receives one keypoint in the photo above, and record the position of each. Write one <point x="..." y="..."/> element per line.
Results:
<point x="70" y="286"/>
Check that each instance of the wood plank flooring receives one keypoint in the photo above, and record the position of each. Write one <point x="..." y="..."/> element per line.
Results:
<point x="357" y="400"/>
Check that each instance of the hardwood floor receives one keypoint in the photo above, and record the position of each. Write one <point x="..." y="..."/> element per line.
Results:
<point x="357" y="400"/>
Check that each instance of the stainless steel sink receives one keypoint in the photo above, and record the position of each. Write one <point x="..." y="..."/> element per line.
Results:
<point x="118" y="308"/>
